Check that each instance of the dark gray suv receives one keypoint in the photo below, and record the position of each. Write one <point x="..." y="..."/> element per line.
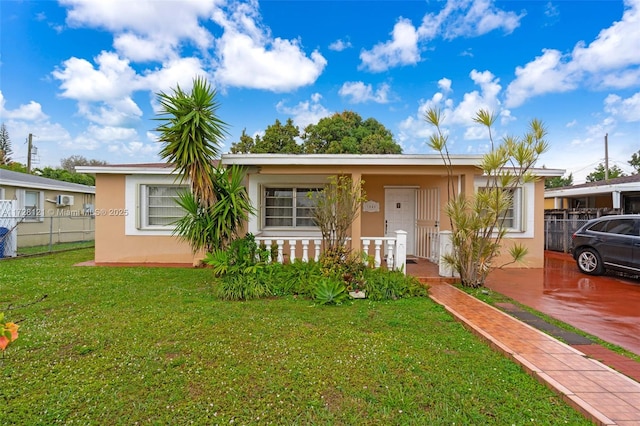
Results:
<point x="609" y="242"/>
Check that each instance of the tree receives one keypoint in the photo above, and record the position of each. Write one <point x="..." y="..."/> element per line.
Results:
<point x="346" y="133"/>
<point x="14" y="166"/>
<point x="70" y="163"/>
<point x="559" y="181"/>
<point x="599" y="173"/>
<point x="479" y="221"/>
<point x="635" y="161"/>
<point x="5" y="146"/>
<point x="191" y="134"/>
<point x="65" y="176"/>
<point x="245" y="146"/>
<point x="279" y="138"/>
<point x="336" y="207"/>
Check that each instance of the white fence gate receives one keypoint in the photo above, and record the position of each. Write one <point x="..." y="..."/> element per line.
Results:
<point x="8" y="229"/>
<point x="427" y="223"/>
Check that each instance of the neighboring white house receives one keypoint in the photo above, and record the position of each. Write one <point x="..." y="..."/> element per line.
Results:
<point x="42" y="208"/>
<point x="622" y="195"/>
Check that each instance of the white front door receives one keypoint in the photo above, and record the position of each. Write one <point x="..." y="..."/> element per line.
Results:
<point x="400" y="214"/>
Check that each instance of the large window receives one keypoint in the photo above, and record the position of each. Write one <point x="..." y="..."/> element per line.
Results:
<point x="513" y="215"/>
<point x="159" y="209"/>
<point x="289" y="207"/>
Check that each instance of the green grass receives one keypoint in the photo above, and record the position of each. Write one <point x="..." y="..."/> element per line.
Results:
<point x="153" y="346"/>
<point x="44" y="249"/>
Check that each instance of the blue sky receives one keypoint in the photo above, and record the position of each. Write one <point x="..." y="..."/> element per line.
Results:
<point x="82" y="76"/>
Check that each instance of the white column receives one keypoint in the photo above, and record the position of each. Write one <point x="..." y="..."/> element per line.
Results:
<point x="615" y="195"/>
<point x="316" y="245"/>
<point x="401" y="251"/>
<point x="305" y="250"/>
<point x="446" y="247"/>
<point x="292" y="250"/>
<point x="376" y="255"/>
<point x="267" y="243"/>
<point x="280" y="250"/>
<point x="365" y="246"/>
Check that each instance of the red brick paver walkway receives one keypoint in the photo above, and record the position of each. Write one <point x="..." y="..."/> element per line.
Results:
<point x="600" y="393"/>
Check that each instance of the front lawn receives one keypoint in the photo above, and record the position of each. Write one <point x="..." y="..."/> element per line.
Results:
<point x="153" y="346"/>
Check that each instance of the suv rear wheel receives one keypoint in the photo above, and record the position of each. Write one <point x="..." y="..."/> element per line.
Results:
<point x="589" y="262"/>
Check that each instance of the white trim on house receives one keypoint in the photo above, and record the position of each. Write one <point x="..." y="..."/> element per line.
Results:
<point x="256" y="185"/>
<point x="134" y="222"/>
<point x="591" y="190"/>
<point x="524" y="209"/>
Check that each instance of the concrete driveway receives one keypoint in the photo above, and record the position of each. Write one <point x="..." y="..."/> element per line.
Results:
<point x="607" y="306"/>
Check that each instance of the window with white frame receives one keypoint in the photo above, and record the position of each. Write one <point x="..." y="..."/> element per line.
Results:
<point x="512" y="219"/>
<point x="30" y="205"/>
<point x="289" y="207"/>
<point x="158" y="206"/>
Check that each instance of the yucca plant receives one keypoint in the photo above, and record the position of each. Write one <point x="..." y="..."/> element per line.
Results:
<point x="192" y="134"/>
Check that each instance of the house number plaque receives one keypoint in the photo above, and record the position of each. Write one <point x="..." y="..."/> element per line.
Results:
<point x="371" y="207"/>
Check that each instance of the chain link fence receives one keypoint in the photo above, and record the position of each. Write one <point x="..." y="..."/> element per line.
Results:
<point x="26" y="236"/>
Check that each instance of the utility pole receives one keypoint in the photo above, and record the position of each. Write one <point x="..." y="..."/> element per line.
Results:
<point x="29" y="144"/>
<point x="606" y="156"/>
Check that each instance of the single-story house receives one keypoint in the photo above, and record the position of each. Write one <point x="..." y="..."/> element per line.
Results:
<point x="621" y="195"/>
<point x="405" y="193"/>
<point x="36" y="207"/>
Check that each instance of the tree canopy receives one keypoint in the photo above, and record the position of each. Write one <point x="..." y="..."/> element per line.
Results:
<point x="341" y="133"/>
<point x="559" y="181"/>
<point x="599" y="173"/>
<point x="635" y="161"/>
<point x="5" y="146"/>
<point x="70" y="163"/>
<point x="65" y="175"/>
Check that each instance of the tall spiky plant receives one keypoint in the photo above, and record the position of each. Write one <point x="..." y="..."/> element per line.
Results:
<point x="478" y="220"/>
<point x="192" y="134"/>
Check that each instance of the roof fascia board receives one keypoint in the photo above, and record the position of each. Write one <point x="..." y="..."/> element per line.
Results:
<point x="31" y="185"/>
<point x="346" y="160"/>
<point x="592" y="190"/>
<point x="127" y="170"/>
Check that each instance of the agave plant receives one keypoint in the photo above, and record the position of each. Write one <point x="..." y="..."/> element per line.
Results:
<point x="330" y="292"/>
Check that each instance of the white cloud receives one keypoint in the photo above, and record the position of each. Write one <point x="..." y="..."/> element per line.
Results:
<point x="249" y="57"/>
<point x="306" y="112"/>
<point x="402" y="49"/>
<point x="159" y="27"/>
<point x="340" y="45"/>
<point x="546" y="74"/>
<point x="626" y="109"/>
<point x="458" y="18"/>
<point x="279" y="67"/>
<point x="133" y="149"/>
<point x="615" y="47"/>
<point x="610" y="61"/>
<point x="112" y="79"/>
<point x="478" y="17"/>
<point x="414" y="131"/>
<point x="29" y="112"/>
<point x="357" y="92"/>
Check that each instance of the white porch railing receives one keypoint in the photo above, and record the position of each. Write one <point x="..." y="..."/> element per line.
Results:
<point x="309" y="248"/>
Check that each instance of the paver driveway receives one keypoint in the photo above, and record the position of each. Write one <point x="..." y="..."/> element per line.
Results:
<point x="607" y="307"/>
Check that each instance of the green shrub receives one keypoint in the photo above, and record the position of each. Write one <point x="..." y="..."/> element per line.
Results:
<point x="383" y="284"/>
<point x="241" y="287"/>
<point x="296" y="278"/>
